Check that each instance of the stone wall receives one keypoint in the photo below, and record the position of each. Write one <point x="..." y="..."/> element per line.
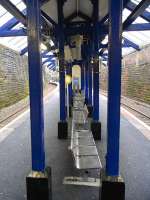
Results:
<point x="135" y="75"/>
<point x="14" y="84"/>
<point x="13" y="77"/>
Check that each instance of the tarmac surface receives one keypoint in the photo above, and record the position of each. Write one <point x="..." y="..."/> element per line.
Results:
<point x="15" y="157"/>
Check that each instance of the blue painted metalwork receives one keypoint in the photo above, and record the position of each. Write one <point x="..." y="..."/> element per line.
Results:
<point x="44" y="53"/>
<point x="77" y="14"/>
<point x="48" y="18"/>
<point x="82" y="29"/>
<point x="82" y="77"/>
<point x="86" y="82"/>
<point x="11" y="8"/>
<point x="61" y="38"/>
<point x="50" y="59"/>
<point x="13" y="33"/>
<point x="95" y="113"/>
<point x="114" y="87"/>
<point x="69" y="72"/>
<point x="47" y="56"/>
<point x="131" y="44"/>
<point x="145" y="15"/>
<point x="23" y="51"/>
<point x="11" y="23"/>
<point x="77" y="62"/>
<point x="36" y="86"/>
<point x="127" y="43"/>
<point x="90" y="99"/>
<point x="51" y="66"/>
<point x="140" y="8"/>
<point x="139" y="27"/>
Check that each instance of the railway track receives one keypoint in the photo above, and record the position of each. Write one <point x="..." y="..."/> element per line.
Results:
<point x="8" y="118"/>
<point x="14" y="114"/>
<point x="140" y="114"/>
<point x="137" y="111"/>
<point x="123" y="104"/>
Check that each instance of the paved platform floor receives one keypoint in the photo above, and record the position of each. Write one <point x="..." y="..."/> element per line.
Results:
<point x="15" y="158"/>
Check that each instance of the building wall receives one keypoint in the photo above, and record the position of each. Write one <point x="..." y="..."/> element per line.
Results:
<point x="135" y="75"/>
<point x="13" y="77"/>
<point x="14" y="83"/>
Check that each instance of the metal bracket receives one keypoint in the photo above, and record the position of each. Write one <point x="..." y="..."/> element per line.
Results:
<point x="83" y="181"/>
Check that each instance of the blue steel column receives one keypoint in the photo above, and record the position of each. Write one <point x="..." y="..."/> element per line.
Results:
<point x="86" y="83"/>
<point x="70" y="85"/>
<point x="95" y="64"/>
<point x="90" y="82"/>
<point x="61" y="60"/>
<point x="36" y="86"/>
<point x="114" y="87"/>
<point x="69" y="72"/>
<point x="82" y="77"/>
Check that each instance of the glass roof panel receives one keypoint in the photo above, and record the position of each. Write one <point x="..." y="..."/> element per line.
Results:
<point x="140" y="38"/>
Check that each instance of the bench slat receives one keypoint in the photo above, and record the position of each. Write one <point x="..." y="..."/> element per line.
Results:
<point x="88" y="162"/>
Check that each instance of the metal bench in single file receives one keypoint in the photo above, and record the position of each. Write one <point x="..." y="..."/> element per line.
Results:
<point x="82" y="142"/>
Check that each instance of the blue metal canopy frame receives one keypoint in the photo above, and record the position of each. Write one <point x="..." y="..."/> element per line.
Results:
<point x="36" y="86"/>
<point x="41" y="26"/>
<point x="114" y="87"/>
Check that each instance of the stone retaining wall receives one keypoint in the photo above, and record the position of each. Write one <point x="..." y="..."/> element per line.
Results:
<point x="135" y="75"/>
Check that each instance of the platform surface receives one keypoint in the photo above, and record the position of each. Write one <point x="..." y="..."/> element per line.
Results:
<point x="15" y="158"/>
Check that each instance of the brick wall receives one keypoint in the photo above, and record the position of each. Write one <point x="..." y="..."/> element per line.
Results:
<point x="14" y="84"/>
<point x="13" y="77"/>
<point x="135" y="75"/>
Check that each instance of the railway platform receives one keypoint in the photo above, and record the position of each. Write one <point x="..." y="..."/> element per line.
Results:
<point x="15" y="140"/>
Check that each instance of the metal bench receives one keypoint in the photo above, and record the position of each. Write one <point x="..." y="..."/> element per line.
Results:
<point x="82" y="142"/>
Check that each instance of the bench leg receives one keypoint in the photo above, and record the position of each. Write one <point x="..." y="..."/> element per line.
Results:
<point x="113" y="188"/>
<point x="62" y="130"/>
<point x="70" y="111"/>
<point x="39" y="186"/>
<point x="96" y="129"/>
<point x="90" y="110"/>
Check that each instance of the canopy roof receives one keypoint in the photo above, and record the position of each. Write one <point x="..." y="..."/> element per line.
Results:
<point x="77" y="10"/>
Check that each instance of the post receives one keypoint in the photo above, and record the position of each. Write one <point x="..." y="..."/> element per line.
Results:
<point x="69" y="90"/>
<point x="70" y="85"/>
<point x="95" y="124"/>
<point x="86" y="83"/>
<point x="62" y="124"/>
<point x="90" y="98"/>
<point x="82" y="77"/>
<point x="113" y="186"/>
<point x="38" y="180"/>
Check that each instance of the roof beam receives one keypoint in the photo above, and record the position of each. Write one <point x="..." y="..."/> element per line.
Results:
<point x="126" y="43"/>
<point x="47" y="56"/>
<point x="13" y="33"/>
<point x="51" y="66"/>
<point x="132" y="44"/>
<point x="77" y="14"/>
<point x="139" y="27"/>
<point x="139" y="9"/>
<point x="23" y="51"/>
<point x="84" y="16"/>
<point x="12" y="9"/>
<point x="70" y="17"/>
<point x="48" y="60"/>
<point x="48" y="18"/>
<point x="9" y="24"/>
<point x="131" y="18"/>
<point x="145" y="15"/>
